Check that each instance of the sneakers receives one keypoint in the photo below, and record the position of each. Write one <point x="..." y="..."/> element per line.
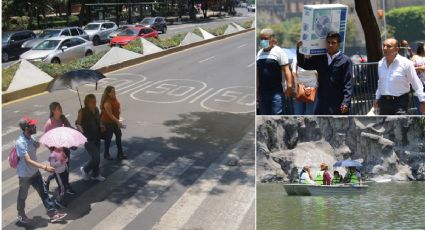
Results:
<point x="85" y="175"/>
<point x="23" y="219"/>
<point x="70" y="191"/>
<point x="56" y="216"/>
<point x="60" y="203"/>
<point x="98" y="178"/>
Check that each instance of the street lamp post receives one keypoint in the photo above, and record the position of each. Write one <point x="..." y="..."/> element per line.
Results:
<point x="385" y="23"/>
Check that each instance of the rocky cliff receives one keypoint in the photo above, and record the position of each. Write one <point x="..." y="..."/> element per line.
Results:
<point x="389" y="147"/>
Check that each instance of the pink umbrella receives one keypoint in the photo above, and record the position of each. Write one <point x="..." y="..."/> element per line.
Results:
<point x="63" y="137"/>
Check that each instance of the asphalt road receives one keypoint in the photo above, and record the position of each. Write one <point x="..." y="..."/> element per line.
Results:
<point x="188" y="115"/>
<point x="186" y="27"/>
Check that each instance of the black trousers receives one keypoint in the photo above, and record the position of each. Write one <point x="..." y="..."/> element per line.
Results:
<point x="390" y="105"/>
<point x="111" y="129"/>
<point x="51" y="176"/>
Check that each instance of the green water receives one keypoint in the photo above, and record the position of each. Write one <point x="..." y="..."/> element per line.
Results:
<point x="384" y="206"/>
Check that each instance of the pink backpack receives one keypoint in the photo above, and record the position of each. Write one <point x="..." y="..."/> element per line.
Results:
<point x="13" y="158"/>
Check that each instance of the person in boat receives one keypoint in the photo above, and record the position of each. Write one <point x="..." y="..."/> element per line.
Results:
<point x="305" y="176"/>
<point x="337" y="179"/>
<point x="323" y="177"/>
<point x="353" y="176"/>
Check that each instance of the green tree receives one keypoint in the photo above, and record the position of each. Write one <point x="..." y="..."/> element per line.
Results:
<point x="407" y="22"/>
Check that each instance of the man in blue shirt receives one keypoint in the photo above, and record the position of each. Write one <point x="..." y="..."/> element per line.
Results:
<point x="27" y="171"/>
<point x="335" y="77"/>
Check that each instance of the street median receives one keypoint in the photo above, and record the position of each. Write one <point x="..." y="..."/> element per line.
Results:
<point x="39" y="88"/>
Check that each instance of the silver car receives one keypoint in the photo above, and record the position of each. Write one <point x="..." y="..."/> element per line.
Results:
<point x="59" y="50"/>
<point x="99" y="31"/>
<point x="50" y="33"/>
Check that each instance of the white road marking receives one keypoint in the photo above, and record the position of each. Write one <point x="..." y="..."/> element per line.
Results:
<point x="9" y="130"/>
<point x="251" y="64"/>
<point x="242" y="46"/>
<point x="204" y="93"/>
<point x="133" y="206"/>
<point x="204" y="60"/>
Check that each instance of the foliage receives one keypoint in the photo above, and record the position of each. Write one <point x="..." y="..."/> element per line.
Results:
<point x="55" y="70"/>
<point x="7" y="75"/>
<point x="197" y="32"/>
<point x="408" y="22"/>
<point x="134" y="46"/>
<point x="167" y="43"/>
<point x="217" y="31"/>
<point x="247" y="24"/>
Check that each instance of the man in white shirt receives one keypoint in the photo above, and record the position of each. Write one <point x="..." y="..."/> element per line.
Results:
<point x="396" y="74"/>
<point x="272" y="72"/>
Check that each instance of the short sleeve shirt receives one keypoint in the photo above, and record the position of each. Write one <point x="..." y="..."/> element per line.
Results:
<point x="269" y="66"/>
<point x="25" y="146"/>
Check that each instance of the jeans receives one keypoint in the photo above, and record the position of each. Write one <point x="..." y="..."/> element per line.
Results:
<point x="271" y="103"/>
<point x="302" y="108"/>
<point x="93" y="148"/>
<point x="111" y="129"/>
<point x="36" y="181"/>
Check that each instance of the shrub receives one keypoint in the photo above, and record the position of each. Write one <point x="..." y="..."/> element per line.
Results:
<point x="247" y="24"/>
<point x="7" y="75"/>
<point x="406" y="20"/>
<point x="134" y="46"/>
<point x="218" y="30"/>
<point x="167" y="43"/>
<point x="198" y="32"/>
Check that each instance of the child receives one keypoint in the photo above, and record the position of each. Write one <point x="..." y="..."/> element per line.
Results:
<point x="58" y="160"/>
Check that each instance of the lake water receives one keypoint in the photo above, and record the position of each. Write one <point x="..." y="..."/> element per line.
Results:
<point x="384" y="206"/>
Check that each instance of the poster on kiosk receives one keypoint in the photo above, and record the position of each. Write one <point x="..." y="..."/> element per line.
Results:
<point x="317" y="22"/>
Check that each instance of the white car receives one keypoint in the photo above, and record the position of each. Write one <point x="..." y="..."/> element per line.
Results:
<point x="251" y="8"/>
<point x="59" y="50"/>
<point x="99" y="31"/>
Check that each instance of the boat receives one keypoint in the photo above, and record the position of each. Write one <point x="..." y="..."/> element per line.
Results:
<point x="324" y="190"/>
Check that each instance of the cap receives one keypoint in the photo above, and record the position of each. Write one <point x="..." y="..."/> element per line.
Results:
<point x="323" y="165"/>
<point x="27" y="121"/>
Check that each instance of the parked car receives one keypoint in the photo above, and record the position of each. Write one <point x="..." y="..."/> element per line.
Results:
<point x="99" y="31"/>
<point x="12" y="43"/>
<point x="50" y="33"/>
<point x="156" y="23"/>
<point x="120" y="29"/>
<point x="131" y="34"/>
<point x="251" y="8"/>
<point x="59" y="50"/>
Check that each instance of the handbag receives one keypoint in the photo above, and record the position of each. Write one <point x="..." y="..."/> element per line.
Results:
<point x="305" y="94"/>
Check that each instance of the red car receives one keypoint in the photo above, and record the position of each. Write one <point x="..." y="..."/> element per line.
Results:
<point x="132" y="33"/>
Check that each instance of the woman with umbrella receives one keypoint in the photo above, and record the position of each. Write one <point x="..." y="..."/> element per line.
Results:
<point x="88" y="122"/>
<point x="352" y="176"/>
<point x="110" y="116"/>
<point x="57" y="119"/>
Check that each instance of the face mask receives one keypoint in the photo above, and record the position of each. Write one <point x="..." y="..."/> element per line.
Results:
<point x="264" y="43"/>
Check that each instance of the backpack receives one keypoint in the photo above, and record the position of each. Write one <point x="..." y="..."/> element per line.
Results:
<point x="13" y="158"/>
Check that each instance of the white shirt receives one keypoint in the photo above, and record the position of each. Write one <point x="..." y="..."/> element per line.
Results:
<point x="305" y="77"/>
<point x="304" y="177"/>
<point x="276" y="53"/>
<point x="331" y="58"/>
<point x="395" y="80"/>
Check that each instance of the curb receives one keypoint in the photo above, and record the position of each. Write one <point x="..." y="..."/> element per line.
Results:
<point x="19" y="94"/>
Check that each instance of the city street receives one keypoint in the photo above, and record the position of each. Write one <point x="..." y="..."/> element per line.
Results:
<point x="186" y="27"/>
<point x="189" y="138"/>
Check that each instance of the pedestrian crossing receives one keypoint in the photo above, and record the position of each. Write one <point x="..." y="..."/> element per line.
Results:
<point x="221" y="197"/>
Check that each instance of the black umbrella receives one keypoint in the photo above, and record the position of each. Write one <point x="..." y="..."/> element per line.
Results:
<point x="73" y="79"/>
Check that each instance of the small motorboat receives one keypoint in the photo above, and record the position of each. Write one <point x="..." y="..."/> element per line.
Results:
<point x="324" y="190"/>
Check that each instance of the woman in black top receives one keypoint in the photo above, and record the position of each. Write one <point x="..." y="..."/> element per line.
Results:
<point x="88" y="122"/>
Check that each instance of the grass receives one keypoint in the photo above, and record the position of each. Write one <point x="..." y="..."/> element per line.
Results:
<point x="247" y="24"/>
<point x="134" y="46"/>
<point x="198" y="32"/>
<point x="168" y="42"/>
<point x="217" y="31"/>
<point x="7" y="76"/>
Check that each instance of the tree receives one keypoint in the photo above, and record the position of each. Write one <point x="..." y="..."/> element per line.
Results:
<point x="370" y="28"/>
<point x="405" y="22"/>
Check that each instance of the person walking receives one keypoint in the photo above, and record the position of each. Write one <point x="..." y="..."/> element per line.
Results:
<point x="57" y="119"/>
<point x="335" y="77"/>
<point x="110" y="118"/>
<point x="58" y="160"/>
<point x="88" y="122"/>
<point x="396" y="75"/>
<point x="28" y="173"/>
<point x="308" y="78"/>
<point x="419" y="63"/>
<point x="272" y="72"/>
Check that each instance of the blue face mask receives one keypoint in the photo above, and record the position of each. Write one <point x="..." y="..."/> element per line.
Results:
<point x="264" y="43"/>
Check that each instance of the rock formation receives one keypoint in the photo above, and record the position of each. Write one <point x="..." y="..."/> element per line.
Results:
<point x="389" y="147"/>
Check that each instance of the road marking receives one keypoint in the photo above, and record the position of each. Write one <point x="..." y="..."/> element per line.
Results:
<point x="204" y="93"/>
<point x="204" y="60"/>
<point x="23" y="99"/>
<point x="9" y="145"/>
<point x="9" y="130"/>
<point x="184" y="208"/>
<point x="250" y="65"/>
<point x="127" y="170"/>
<point x="241" y="46"/>
<point x="234" y="100"/>
<point x="144" y="84"/>
<point x="133" y="206"/>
